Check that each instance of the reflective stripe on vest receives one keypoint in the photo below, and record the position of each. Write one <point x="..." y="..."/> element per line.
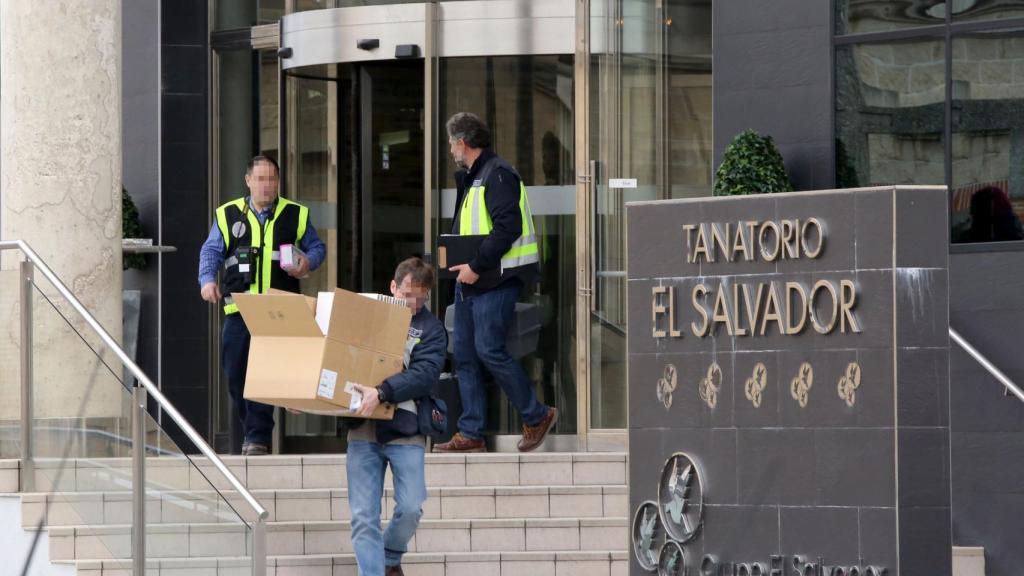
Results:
<point x="475" y="220"/>
<point x="269" y="255"/>
<point x="254" y="226"/>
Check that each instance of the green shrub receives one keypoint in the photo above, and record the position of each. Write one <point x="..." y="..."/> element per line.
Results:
<point x="130" y="228"/>
<point x="751" y="165"/>
<point x="846" y="174"/>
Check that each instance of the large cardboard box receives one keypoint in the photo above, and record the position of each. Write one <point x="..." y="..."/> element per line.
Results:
<point x="294" y="364"/>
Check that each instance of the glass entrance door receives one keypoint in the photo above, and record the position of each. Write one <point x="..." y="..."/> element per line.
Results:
<point x="649" y="102"/>
<point x="355" y="157"/>
<point x="527" y="101"/>
<point x="366" y="148"/>
<point x="392" y="171"/>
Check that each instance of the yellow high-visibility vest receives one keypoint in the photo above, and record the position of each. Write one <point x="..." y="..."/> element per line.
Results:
<point x="289" y="221"/>
<point x="474" y="219"/>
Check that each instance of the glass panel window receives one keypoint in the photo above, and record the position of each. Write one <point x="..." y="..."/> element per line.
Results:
<point x="233" y="147"/>
<point x="228" y="14"/>
<point x="270" y="11"/>
<point x="304" y="5"/>
<point x="890" y="114"/>
<point x="310" y="167"/>
<point x="687" y="67"/>
<point x="269" y="108"/>
<point x="651" y="124"/>
<point x="988" y="137"/>
<point x="860" y="16"/>
<point x="973" y="10"/>
<point x="527" y="101"/>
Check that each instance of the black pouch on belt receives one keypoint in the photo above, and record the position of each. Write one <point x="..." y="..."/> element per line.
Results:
<point x="248" y="261"/>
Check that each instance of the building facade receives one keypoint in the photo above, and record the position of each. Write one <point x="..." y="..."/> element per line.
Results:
<point x="596" y="102"/>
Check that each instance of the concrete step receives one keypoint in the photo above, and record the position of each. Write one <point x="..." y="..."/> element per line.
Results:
<point x="9" y="475"/>
<point x="448" y="503"/>
<point x="968" y="561"/>
<point x="561" y="563"/>
<point x="333" y="537"/>
<point x="320" y="471"/>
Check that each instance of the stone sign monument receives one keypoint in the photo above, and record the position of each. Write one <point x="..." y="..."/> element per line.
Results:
<point x="789" y="384"/>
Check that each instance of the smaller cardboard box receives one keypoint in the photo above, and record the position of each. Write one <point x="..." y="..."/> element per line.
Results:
<point x="294" y="364"/>
<point x="290" y="255"/>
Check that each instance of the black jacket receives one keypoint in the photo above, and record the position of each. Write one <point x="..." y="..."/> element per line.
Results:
<point x="425" y="350"/>
<point x="502" y="199"/>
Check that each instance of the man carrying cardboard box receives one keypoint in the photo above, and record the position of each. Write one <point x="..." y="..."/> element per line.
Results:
<point x="375" y="444"/>
<point x="244" y="245"/>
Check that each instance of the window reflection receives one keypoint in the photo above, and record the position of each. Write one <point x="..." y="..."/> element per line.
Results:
<point x="651" y="122"/>
<point x="304" y="5"/>
<point x="988" y="137"/>
<point x="860" y="16"/>
<point x="890" y="113"/>
<point x="528" y="103"/>
<point x="270" y="11"/>
<point x="974" y="10"/>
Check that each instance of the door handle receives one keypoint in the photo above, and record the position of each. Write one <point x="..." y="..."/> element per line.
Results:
<point x="592" y="290"/>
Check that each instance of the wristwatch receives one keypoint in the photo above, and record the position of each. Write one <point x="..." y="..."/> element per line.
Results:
<point x="380" y="395"/>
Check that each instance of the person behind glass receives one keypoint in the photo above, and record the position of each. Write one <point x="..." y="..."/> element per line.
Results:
<point x="492" y="202"/>
<point x="373" y="445"/>
<point x="244" y="245"/>
<point x="993" y="218"/>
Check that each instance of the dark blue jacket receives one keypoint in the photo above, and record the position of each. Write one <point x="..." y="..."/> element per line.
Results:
<point x="502" y="201"/>
<point x="425" y="351"/>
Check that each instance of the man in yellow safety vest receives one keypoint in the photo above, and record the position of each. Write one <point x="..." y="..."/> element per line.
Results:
<point x="492" y="202"/>
<point x="244" y="245"/>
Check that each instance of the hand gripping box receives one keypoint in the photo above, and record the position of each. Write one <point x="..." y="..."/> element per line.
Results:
<point x="293" y="364"/>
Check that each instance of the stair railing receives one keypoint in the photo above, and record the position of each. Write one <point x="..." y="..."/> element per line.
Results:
<point x="143" y="389"/>
<point x="991" y="368"/>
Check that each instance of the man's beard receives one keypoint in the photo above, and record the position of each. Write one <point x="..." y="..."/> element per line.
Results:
<point x="460" y="163"/>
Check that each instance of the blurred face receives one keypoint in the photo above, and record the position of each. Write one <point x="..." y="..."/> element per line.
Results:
<point x="457" y="146"/>
<point x="414" y="295"/>
<point x="262" y="184"/>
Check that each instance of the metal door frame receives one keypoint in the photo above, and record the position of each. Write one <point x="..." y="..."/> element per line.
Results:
<point x="328" y="36"/>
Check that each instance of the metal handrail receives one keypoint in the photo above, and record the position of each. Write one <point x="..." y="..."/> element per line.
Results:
<point x="987" y="365"/>
<point x="148" y="388"/>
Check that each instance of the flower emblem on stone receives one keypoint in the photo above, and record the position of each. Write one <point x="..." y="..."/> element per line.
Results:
<point x="709" y="386"/>
<point x="666" y="385"/>
<point x="801" y="386"/>
<point x="849" y="383"/>
<point x="756" y="384"/>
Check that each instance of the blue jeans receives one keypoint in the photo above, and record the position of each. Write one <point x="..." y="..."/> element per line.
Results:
<point x="482" y="322"/>
<point x="365" y="465"/>
<point x="257" y="419"/>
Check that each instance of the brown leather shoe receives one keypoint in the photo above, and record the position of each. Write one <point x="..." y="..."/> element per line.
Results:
<point x="460" y="443"/>
<point x="394" y="571"/>
<point x="533" y="436"/>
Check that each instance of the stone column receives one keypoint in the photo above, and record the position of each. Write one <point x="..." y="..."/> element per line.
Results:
<point x="60" y="188"/>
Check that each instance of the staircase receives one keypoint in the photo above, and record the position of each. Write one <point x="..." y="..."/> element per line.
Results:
<point x="486" y="514"/>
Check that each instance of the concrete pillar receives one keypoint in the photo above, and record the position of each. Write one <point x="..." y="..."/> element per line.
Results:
<point x="60" y="189"/>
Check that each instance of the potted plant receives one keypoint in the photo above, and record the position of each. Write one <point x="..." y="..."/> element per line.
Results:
<point x="751" y="165"/>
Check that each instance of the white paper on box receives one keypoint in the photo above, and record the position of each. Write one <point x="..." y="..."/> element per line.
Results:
<point x="324" y="303"/>
<point x="328" y="381"/>
<point x="384" y="298"/>
<point x="356" y="396"/>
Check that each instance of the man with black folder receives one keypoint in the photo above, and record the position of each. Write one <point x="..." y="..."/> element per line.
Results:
<point x="492" y="204"/>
